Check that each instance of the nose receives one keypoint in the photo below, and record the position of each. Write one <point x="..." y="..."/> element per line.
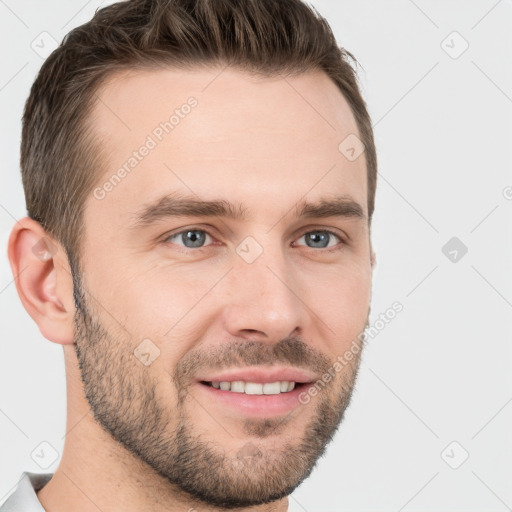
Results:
<point x="264" y="299"/>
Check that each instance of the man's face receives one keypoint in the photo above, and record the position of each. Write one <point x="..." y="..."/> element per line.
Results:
<point x="171" y="305"/>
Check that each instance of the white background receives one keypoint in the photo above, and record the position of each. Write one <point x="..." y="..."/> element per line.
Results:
<point x="440" y="371"/>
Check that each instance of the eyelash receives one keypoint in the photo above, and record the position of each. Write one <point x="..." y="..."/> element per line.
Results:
<point x="338" y="247"/>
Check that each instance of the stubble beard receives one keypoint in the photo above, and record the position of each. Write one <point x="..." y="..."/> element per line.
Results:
<point x="122" y="395"/>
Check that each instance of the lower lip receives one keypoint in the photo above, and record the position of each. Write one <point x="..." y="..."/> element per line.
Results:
<point x="255" y="406"/>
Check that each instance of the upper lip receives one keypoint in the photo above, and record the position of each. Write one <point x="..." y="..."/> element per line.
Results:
<point x="260" y="374"/>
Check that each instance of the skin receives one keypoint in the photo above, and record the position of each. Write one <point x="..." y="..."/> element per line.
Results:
<point x="253" y="141"/>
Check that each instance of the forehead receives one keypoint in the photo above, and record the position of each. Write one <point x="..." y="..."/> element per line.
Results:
<point x="220" y="133"/>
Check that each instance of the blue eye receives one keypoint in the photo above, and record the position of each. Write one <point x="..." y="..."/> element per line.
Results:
<point x="191" y="236"/>
<point x="320" y="239"/>
<point x="196" y="238"/>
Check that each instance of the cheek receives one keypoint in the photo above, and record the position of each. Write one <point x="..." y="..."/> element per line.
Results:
<point x="148" y="297"/>
<point x="344" y="304"/>
<point x="163" y="306"/>
<point x="166" y="296"/>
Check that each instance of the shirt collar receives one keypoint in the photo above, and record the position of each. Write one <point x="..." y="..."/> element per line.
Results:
<point x="25" y="497"/>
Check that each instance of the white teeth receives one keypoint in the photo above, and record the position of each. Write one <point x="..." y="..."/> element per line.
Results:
<point x="255" y="388"/>
<point x="238" y="386"/>
<point x="271" y="388"/>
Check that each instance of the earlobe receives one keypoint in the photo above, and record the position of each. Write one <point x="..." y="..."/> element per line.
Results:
<point x="43" y="280"/>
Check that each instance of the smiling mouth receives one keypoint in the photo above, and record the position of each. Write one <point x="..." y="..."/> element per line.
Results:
<point x="255" y="388"/>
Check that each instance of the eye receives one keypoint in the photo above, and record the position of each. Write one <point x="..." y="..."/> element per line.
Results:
<point x="191" y="238"/>
<point x="196" y="238"/>
<point x="320" y="239"/>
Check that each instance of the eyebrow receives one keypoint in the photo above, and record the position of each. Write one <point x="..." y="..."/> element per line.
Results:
<point x="189" y="206"/>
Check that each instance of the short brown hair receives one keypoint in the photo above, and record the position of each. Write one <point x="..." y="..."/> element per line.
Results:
<point x="60" y="157"/>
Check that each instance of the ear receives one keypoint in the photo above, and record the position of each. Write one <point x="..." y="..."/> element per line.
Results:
<point x="43" y="279"/>
<point x="373" y="258"/>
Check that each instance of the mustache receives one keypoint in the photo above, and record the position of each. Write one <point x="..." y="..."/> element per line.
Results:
<point x="290" y="351"/>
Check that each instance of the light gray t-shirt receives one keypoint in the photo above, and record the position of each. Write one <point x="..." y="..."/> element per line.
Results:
<point x="24" y="498"/>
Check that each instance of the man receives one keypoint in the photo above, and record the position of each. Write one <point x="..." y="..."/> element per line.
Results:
<point x="200" y="181"/>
